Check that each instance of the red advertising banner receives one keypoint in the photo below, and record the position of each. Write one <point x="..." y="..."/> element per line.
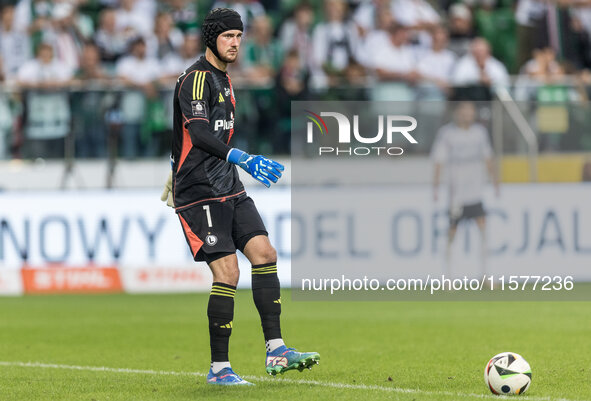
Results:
<point x="71" y="280"/>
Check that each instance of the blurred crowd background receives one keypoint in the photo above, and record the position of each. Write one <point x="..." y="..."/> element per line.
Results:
<point x="94" y="78"/>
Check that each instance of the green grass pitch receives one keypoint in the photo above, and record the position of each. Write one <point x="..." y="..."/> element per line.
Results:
<point x="155" y="347"/>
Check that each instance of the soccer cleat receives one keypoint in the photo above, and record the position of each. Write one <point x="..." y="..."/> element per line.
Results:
<point x="226" y="377"/>
<point x="283" y="359"/>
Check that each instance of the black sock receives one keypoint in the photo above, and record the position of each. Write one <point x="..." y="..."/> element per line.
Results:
<point x="220" y="312"/>
<point x="267" y="298"/>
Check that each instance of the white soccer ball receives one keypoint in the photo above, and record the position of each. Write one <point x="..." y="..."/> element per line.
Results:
<point x="507" y="373"/>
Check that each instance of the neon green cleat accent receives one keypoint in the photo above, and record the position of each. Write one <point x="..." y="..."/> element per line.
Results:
<point x="283" y="359"/>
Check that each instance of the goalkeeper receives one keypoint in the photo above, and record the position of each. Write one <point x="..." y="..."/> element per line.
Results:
<point x="216" y="215"/>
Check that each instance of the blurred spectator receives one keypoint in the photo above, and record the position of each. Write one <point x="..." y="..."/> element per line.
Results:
<point x="261" y="54"/>
<point x="139" y="73"/>
<point x="532" y="28"/>
<point x="184" y="14"/>
<point x="133" y="19"/>
<point x="111" y="41"/>
<point x="174" y="64"/>
<point x="248" y="9"/>
<point x="367" y="15"/>
<point x="295" y="34"/>
<point x="90" y="66"/>
<point x="335" y="44"/>
<point x="415" y="14"/>
<point x="64" y="35"/>
<point x="583" y="14"/>
<point x="32" y="15"/>
<point x="291" y="85"/>
<point x="543" y="67"/>
<point x="44" y="71"/>
<point x="392" y="57"/>
<point x="577" y="44"/>
<point x="6" y="118"/>
<point x="376" y="37"/>
<point x="47" y="109"/>
<point x="480" y="68"/>
<point x="436" y="65"/>
<point x="461" y="29"/>
<point x="15" y="47"/>
<point x="165" y="39"/>
<point x="88" y="105"/>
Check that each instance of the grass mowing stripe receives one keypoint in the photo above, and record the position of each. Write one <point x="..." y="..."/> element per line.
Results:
<point x="267" y="379"/>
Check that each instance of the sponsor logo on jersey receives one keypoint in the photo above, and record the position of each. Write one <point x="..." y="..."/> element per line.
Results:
<point x="225" y="124"/>
<point x="198" y="108"/>
<point x="221" y="98"/>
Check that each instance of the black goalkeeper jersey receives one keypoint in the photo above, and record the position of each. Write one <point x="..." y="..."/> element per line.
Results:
<point x="204" y="106"/>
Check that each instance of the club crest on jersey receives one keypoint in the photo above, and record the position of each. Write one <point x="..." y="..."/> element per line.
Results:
<point x="211" y="240"/>
<point x="277" y="360"/>
<point x="198" y="108"/>
<point x="227" y="91"/>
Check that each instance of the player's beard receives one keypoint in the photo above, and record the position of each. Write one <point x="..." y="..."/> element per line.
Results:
<point x="230" y="59"/>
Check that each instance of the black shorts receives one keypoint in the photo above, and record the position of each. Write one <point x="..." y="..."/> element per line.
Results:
<point x="217" y="229"/>
<point x="466" y="212"/>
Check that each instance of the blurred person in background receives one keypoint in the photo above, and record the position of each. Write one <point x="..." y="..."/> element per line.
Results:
<point x="184" y="14"/>
<point x="248" y="9"/>
<point x="543" y="67"/>
<point x="419" y="17"/>
<point x="133" y="19"/>
<point x="111" y="40"/>
<point x="415" y="14"/>
<point x="335" y="43"/>
<point x="394" y="63"/>
<point x="140" y="74"/>
<point x="63" y="34"/>
<point x="33" y="16"/>
<point x="262" y="54"/>
<point x="88" y="105"/>
<point x="436" y="65"/>
<point x="532" y="27"/>
<point x="577" y="44"/>
<point x="47" y="106"/>
<point x="376" y="37"/>
<point x="295" y="33"/>
<point x="291" y="85"/>
<point x="461" y="29"/>
<point x="173" y="64"/>
<point x="15" y="46"/>
<point x="479" y="68"/>
<point x="367" y="15"/>
<point x="6" y="118"/>
<point x="462" y="147"/>
<point x="166" y="38"/>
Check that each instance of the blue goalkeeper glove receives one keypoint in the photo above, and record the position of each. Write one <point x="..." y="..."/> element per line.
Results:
<point x="264" y="170"/>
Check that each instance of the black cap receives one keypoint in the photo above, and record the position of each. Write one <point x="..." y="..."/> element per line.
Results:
<point x="219" y="20"/>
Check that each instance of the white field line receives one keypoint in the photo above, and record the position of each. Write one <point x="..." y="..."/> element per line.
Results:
<point x="278" y="379"/>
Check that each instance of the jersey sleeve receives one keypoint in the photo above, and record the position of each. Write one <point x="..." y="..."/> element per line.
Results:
<point x="194" y="96"/>
<point x="194" y="99"/>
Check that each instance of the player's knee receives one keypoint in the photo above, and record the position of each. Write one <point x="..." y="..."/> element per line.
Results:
<point x="228" y="275"/>
<point x="269" y="254"/>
